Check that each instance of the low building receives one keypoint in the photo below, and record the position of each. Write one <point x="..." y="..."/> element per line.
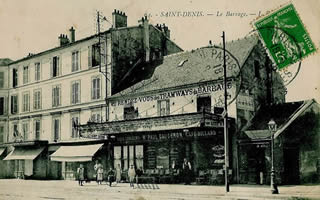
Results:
<point x="296" y="144"/>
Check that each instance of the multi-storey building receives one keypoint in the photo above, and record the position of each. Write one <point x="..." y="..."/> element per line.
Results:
<point x="49" y="92"/>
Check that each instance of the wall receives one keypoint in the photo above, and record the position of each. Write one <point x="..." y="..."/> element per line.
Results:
<point x="128" y="50"/>
<point x="147" y="105"/>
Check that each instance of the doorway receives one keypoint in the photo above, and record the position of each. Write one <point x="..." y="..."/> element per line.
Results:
<point x="291" y="166"/>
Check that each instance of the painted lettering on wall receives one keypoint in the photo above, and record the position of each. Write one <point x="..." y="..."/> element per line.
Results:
<point x="178" y="93"/>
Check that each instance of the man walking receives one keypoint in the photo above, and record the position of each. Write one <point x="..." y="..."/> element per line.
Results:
<point x="186" y="167"/>
<point x="80" y="172"/>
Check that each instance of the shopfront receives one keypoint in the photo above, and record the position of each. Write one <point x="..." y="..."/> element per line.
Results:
<point x="158" y="146"/>
<point x="28" y="162"/>
<point x="70" y="157"/>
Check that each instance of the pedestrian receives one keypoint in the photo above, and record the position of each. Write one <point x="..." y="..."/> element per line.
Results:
<point x="110" y="175"/>
<point x="138" y="174"/>
<point x="186" y="167"/>
<point x="118" y="173"/>
<point x="131" y="175"/>
<point x="96" y="167"/>
<point x="100" y="174"/>
<point x="80" y="172"/>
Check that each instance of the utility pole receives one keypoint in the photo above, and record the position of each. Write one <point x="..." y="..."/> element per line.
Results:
<point x="226" y="140"/>
<point x="105" y="60"/>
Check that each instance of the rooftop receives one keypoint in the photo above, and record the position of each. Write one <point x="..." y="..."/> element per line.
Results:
<point x="191" y="67"/>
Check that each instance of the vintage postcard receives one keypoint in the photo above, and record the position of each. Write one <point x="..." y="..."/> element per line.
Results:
<point x="159" y="99"/>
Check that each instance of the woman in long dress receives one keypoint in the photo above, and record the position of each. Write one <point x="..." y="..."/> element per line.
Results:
<point x="131" y="175"/>
<point x="100" y="174"/>
<point x="118" y="173"/>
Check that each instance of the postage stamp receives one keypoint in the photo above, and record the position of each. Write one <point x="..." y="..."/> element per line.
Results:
<point x="285" y="36"/>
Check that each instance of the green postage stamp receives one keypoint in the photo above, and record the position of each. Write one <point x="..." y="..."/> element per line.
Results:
<point x="285" y="36"/>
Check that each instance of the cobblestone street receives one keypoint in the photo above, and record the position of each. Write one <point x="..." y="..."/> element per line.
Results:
<point x="31" y="189"/>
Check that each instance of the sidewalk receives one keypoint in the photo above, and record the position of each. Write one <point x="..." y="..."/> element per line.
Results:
<point x="65" y="190"/>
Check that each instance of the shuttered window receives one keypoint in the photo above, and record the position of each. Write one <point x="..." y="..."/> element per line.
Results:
<point x="56" y="96"/>
<point x="1" y="79"/>
<point x="95" y="88"/>
<point x="75" y="92"/>
<point x="163" y="107"/>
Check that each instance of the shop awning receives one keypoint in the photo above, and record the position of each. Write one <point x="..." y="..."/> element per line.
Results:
<point x="258" y="134"/>
<point x="24" y="154"/>
<point x="2" y="149"/>
<point x="79" y="153"/>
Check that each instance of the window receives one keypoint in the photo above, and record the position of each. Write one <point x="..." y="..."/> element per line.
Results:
<point x="130" y="113"/>
<point x="75" y="61"/>
<point x="37" y="71"/>
<point x="74" y="131"/>
<point x="1" y="134"/>
<point x="15" y="130"/>
<point x="55" y="66"/>
<point x="95" y="116"/>
<point x="14" y="77"/>
<point x="25" y="130"/>
<point x="37" y="100"/>
<point x="56" y="129"/>
<point x="94" y="55"/>
<point x="75" y="92"/>
<point x="164" y="107"/>
<point x="127" y="155"/>
<point x="26" y="102"/>
<point x="25" y="74"/>
<point x="14" y="104"/>
<point x="1" y="79"/>
<point x="257" y="69"/>
<point x="56" y="96"/>
<point x="204" y="104"/>
<point x="95" y="88"/>
<point x="2" y="106"/>
<point x="37" y="129"/>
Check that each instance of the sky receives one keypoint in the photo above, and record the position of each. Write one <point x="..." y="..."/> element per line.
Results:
<point x="32" y="26"/>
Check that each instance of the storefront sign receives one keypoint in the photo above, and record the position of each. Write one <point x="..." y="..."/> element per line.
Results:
<point x="245" y="102"/>
<point x="166" y="95"/>
<point x="167" y="136"/>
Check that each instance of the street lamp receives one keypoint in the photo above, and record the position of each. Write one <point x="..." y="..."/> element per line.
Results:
<point x="273" y="127"/>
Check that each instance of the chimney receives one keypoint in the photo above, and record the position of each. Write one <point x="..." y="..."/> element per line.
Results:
<point x="72" y="34"/>
<point x="119" y="19"/>
<point x="146" y="44"/>
<point x="63" y="39"/>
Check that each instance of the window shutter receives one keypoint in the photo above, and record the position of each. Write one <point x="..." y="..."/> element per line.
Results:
<point x="89" y="56"/>
<point x="51" y="67"/>
<point x="59" y="95"/>
<point x="92" y="88"/>
<point x="40" y="99"/>
<point x="79" y="60"/>
<point x="59" y="63"/>
<point x="1" y="79"/>
<point x="78" y="92"/>
<point x="159" y="108"/>
<point x="168" y="107"/>
<point x="53" y="97"/>
<point x="98" y="88"/>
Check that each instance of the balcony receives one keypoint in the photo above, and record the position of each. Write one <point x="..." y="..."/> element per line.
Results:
<point x="161" y="123"/>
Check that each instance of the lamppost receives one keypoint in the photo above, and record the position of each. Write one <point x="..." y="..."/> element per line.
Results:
<point x="273" y="127"/>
